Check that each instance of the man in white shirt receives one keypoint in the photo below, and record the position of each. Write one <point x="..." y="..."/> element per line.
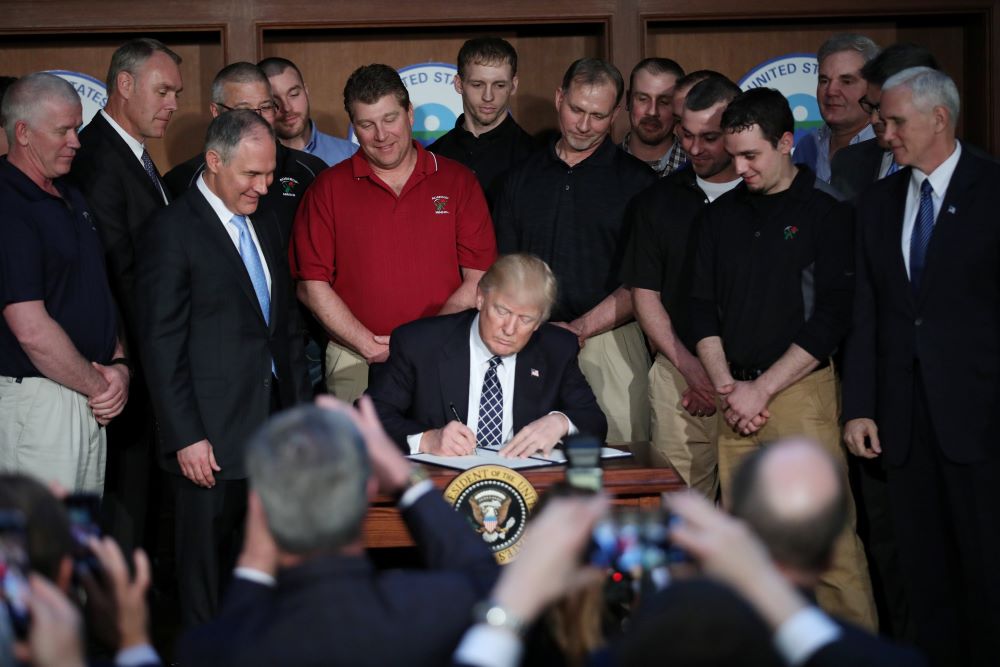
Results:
<point x="497" y="377"/>
<point x="123" y="189"/>
<point x="221" y="341"/>
<point x="922" y="364"/>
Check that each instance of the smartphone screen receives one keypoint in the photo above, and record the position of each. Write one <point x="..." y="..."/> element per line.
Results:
<point x="14" y="568"/>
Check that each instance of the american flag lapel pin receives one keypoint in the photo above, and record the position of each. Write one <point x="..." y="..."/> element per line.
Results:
<point x="951" y="210"/>
<point x="535" y="373"/>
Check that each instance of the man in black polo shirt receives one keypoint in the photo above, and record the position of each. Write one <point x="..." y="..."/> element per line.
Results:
<point x="772" y="299"/>
<point x="658" y="268"/>
<point x="244" y="86"/>
<point x="566" y="204"/>
<point x="63" y="373"/>
<point x="485" y="137"/>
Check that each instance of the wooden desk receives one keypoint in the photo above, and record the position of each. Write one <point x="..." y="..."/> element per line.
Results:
<point x="628" y="481"/>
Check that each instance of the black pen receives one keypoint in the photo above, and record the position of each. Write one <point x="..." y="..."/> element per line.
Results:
<point x="454" y="411"/>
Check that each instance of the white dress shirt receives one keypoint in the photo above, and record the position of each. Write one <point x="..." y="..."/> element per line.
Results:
<point x="939" y="178"/>
<point x="225" y="217"/>
<point x="137" y="147"/>
<point x="479" y="363"/>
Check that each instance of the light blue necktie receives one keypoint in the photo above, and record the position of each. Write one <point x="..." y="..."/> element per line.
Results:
<point x="922" y="229"/>
<point x="490" y="428"/>
<point x="251" y="260"/>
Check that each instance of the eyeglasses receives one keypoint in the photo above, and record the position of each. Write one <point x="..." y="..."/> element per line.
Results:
<point x="868" y="107"/>
<point x="267" y="108"/>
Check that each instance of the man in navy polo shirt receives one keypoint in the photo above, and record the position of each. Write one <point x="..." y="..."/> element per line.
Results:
<point x="63" y="372"/>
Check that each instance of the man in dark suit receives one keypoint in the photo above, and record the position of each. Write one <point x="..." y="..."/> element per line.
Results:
<point x="305" y="593"/>
<point x="123" y="188"/>
<point x="220" y="342"/>
<point x="499" y="378"/>
<point x="922" y="365"/>
<point x="855" y="167"/>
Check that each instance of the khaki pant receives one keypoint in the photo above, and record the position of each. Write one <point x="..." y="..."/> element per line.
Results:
<point x="686" y="443"/>
<point x="615" y="364"/>
<point x="346" y="372"/>
<point x="811" y="408"/>
<point x="48" y="431"/>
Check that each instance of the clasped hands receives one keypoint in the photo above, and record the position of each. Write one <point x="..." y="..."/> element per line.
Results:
<point x="745" y="405"/>
<point x="111" y="401"/>
<point x="457" y="439"/>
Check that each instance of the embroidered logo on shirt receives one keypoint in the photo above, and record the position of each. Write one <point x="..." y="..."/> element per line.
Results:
<point x="791" y="231"/>
<point x="440" y="204"/>
<point x="288" y="185"/>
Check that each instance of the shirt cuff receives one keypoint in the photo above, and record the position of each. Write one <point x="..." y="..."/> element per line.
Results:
<point x="415" y="493"/>
<point x="414" y="442"/>
<point x="573" y="430"/>
<point x="805" y="633"/>
<point x="484" y="646"/>
<point x="255" y="576"/>
<point x="133" y="656"/>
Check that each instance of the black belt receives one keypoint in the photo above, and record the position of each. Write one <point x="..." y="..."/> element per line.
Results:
<point x="750" y="374"/>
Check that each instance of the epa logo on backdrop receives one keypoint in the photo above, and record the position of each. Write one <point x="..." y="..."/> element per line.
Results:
<point x="93" y="93"/>
<point x="436" y="105"/>
<point x="794" y="75"/>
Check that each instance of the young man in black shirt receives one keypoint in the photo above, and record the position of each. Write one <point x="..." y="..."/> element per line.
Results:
<point x="772" y="299"/>
<point x="658" y="269"/>
<point x="485" y="137"/>
<point x="566" y="204"/>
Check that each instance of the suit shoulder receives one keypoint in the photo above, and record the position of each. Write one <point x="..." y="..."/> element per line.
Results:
<point x="181" y="177"/>
<point x="557" y="339"/>
<point x="431" y="328"/>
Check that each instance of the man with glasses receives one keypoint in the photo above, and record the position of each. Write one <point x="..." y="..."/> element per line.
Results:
<point x="857" y="166"/>
<point x="243" y="85"/>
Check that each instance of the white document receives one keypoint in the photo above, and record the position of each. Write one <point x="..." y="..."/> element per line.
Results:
<point x="480" y="458"/>
<point x="559" y="456"/>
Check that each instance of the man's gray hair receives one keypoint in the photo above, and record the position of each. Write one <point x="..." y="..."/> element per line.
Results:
<point x="521" y="273"/>
<point x="310" y="468"/>
<point x="241" y="72"/>
<point x="26" y="97"/>
<point x="227" y="130"/>
<point x="930" y="88"/>
<point x="848" y="41"/>
<point x="131" y="56"/>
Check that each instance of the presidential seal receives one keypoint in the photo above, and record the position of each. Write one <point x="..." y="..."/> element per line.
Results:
<point x="93" y="93"/>
<point x="794" y="75"/>
<point x="496" y="501"/>
<point x="436" y="104"/>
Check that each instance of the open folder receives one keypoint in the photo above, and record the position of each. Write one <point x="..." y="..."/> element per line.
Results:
<point x="491" y="457"/>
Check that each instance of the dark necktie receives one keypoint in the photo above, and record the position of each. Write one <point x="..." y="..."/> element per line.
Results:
<point x="490" y="430"/>
<point x="147" y="164"/>
<point x="922" y="229"/>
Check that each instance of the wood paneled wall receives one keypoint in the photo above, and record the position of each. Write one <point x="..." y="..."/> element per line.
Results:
<point x="328" y="38"/>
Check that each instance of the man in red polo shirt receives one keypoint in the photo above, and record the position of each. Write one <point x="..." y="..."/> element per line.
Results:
<point x="391" y="235"/>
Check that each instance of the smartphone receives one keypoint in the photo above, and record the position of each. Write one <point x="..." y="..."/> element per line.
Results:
<point x="82" y="509"/>
<point x="14" y="568"/>
<point x="583" y="455"/>
<point x="635" y="542"/>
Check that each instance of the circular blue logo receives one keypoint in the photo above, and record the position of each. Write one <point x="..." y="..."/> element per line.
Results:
<point x="794" y="75"/>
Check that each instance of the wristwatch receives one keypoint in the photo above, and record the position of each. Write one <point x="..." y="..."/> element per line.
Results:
<point x="492" y="614"/>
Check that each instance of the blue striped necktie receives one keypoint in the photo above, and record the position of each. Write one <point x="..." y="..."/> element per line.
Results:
<point x="251" y="260"/>
<point x="147" y="164"/>
<point x="921" y="238"/>
<point x="489" y="432"/>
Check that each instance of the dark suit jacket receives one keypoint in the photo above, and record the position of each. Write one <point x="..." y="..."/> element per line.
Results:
<point x="338" y="610"/>
<point x="206" y="347"/>
<point x="951" y="327"/>
<point x="428" y="370"/>
<point x="122" y="198"/>
<point x="855" y="167"/>
<point x="702" y="622"/>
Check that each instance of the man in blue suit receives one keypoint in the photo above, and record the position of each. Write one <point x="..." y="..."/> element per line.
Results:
<point x="497" y="377"/>
<point x="304" y="592"/>
<point x="922" y="365"/>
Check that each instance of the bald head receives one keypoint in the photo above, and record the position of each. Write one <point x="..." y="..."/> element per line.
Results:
<point x="793" y="495"/>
